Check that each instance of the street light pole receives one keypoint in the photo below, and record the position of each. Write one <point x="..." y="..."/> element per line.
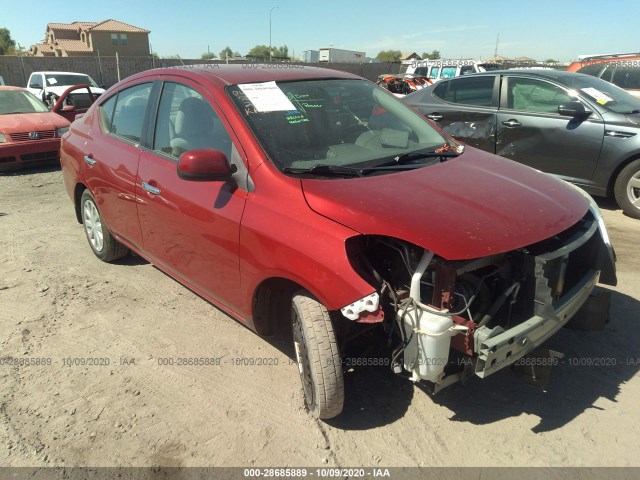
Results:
<point x="270" y="52"/>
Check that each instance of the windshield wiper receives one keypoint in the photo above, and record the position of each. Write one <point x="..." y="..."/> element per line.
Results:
<point x="632" y="112"/>
<point x="326" y="171"/>
<point x="406" y="158"/>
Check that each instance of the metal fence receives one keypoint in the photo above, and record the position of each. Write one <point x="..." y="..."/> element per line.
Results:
<point x="107" y="70"/>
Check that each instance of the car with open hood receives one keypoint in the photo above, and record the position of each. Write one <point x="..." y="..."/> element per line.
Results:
<point x="313" y="202"/>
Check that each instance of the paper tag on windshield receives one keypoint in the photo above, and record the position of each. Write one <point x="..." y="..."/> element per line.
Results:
<point x="267" y="97"/>
<point x="52" y="81"/>
<point x="597" y="95"/>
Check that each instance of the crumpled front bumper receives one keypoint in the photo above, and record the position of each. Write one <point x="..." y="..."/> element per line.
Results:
<point x="497" y="348"/>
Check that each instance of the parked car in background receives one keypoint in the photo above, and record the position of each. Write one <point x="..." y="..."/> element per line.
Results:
<point x="436" y="70"/>
<point x="49" y="87"/>
<point x="575" y="126"/>
<point x="29" y="132"/>
<point x="622" y="69"/>
<point x="314" y="202"/>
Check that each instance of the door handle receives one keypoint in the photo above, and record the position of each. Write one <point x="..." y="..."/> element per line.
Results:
<point x="89" y="160"/>
<point x="150" y="188"/>
<point x="434" y="116"/>
<point x="512" y="123"/>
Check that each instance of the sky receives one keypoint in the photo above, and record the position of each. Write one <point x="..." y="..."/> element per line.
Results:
<point x="541" y="29"/>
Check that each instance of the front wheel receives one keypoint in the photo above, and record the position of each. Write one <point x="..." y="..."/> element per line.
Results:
<point x="627" y="189"/>
<point x="319" y="362"/>
<point x="105" y="247"/>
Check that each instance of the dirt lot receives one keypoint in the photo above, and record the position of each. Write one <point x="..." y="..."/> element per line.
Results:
<point x="59" y="304"/>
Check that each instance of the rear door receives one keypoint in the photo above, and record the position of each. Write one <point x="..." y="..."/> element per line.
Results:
<point x="465" y="108"/>
<point x="111" y="156"/>
<point x="190" y="228"/>
<point x="531" y="131"/>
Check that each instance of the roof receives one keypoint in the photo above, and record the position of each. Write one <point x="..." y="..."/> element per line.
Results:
<point x="239" y="73"/>
<point x="116" y="26"/>
<point x="72" y="45"/>
<point x="70" y="26"/>
<point x="44" y="47"/>
<point x="109" y="25"/>
<point x="19" y="89"/>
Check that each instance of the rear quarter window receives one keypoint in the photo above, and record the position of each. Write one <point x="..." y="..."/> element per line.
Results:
<point x="476" y="91"/>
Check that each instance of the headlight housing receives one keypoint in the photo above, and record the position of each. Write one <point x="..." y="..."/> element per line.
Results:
<point x="61" y="131"/>
<point x="3" y="139"/>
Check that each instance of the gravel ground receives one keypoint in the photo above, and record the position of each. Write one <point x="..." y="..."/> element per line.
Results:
<point x="61" y="307"/>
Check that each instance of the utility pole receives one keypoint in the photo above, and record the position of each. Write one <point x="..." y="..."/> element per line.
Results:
<point x="270" y="50"/>
<point x="495" y="53"/>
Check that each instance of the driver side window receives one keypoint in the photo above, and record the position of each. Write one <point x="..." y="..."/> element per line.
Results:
<point x="186" y="121"/>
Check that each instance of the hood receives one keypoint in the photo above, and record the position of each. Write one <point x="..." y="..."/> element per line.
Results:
<point x="28" y="122"/>
<point x="60" y="89"/>
<point x="470" y="206"/>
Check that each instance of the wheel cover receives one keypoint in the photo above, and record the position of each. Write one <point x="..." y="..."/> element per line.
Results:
<point x="633" y="190"/>
<point x="304" y="365"/>
<point x="93" y="225"/>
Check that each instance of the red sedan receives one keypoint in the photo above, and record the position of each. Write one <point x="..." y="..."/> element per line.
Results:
<point x="309" y="200"/>
<point x="29" y="132"/>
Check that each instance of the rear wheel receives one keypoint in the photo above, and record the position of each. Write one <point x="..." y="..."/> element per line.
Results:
<point x="319" y="362"/>
<point x="105" y="247"/>
<point x="627" y="189"/>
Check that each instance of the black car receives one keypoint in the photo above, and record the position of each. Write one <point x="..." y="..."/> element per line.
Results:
<point x="581" y="128"/>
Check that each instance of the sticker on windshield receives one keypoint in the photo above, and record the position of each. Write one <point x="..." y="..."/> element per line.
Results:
<point x="267" y="97"/>
<point x="597" y="95"/>
<point x="52" y="81"/>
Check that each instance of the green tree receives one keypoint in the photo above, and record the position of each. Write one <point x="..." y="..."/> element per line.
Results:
<point x="434" y="55"/>
<point x="389" y="55"/>
<point x="262" y="51"/>
<point x="226" y="53"/>
<point x="208" y="56"/>
<point x="551" y="61"/>
<point x="259" y="51"/>
<point x="7" y="44"/>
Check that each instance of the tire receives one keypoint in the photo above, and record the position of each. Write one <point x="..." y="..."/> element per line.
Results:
<point x="102" y="243"/>
<point x="319" y="362"/>
<point x="627" y="189"/>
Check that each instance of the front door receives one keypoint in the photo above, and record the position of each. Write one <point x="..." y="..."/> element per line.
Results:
<point x="531" y="131"/>
<point x="190" y="228"/>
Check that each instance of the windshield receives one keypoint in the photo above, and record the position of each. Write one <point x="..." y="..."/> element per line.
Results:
<point x="602" y="92"/>
<point x="331" y="122"/>
<point x="17" y="101"/>
<point x="66" y="79"/>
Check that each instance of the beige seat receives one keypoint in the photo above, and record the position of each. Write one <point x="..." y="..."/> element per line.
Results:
<point x="194" y="126"/>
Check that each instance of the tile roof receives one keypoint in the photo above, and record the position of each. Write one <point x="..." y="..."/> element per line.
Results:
<point x="43" y="47"/>
<point x="116" y="26"/>
<point x="72" y="45"/>
<point x="70" y="26"/>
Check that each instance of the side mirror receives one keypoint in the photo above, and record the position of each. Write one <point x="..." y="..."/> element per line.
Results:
<point x="574" y="109"/>
<point x="205" y="165"/>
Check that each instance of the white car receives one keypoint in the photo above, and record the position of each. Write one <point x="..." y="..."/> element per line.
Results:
<point x="49" y="86"/>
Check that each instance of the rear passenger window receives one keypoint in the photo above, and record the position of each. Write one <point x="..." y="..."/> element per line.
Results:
<point x="434" y="72"/>
<point x="476" y="91"/>
<point x="627" y="77"/>
<point x="125" y="117"/>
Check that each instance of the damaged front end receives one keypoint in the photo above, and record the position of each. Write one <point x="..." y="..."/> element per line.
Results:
<point x="447" y="320"/>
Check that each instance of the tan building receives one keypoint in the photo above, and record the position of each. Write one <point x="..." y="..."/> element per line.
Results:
<point x="92" y="38"/>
